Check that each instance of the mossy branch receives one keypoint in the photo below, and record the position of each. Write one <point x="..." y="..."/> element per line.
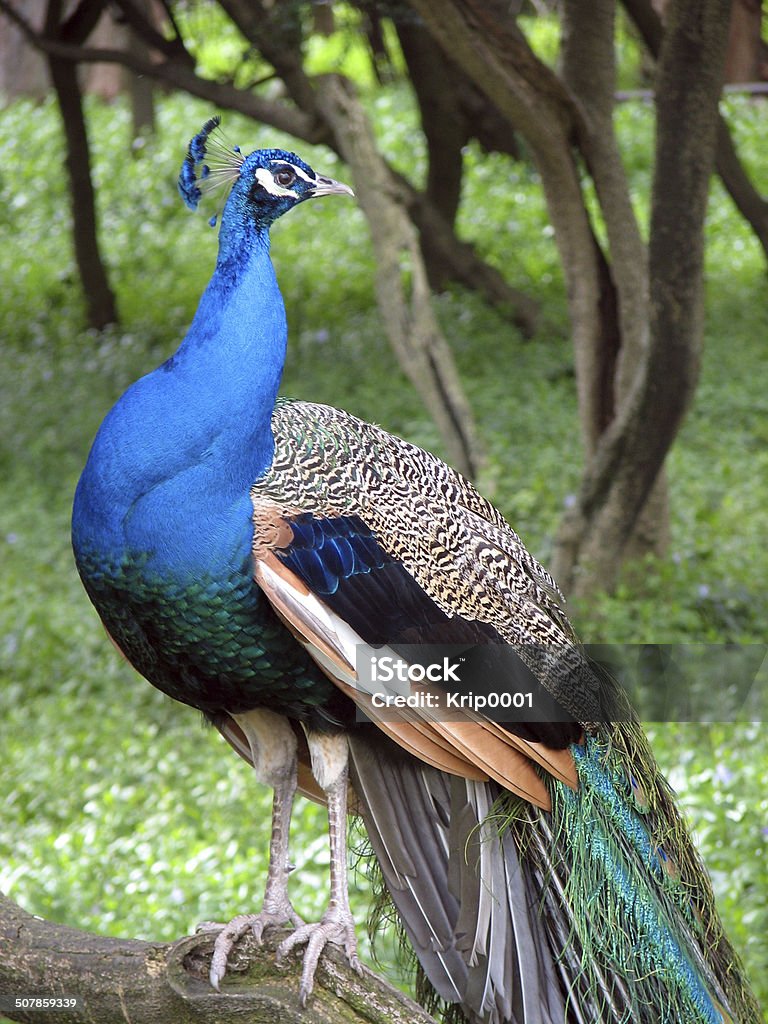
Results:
<point x="136" y="982"/>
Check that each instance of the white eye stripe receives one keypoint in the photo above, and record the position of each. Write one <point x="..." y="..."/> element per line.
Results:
<point x="301" y="174"/>
<point x="267" y="180"/>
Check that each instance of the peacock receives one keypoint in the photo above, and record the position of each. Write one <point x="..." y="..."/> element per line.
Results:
<point x="252" y="556"/>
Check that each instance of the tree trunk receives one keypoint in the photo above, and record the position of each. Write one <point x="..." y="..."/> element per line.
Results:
<point x="750" y="204"/>
<point x="99" y="300"/>
<point x="75" y="28"/>
<point x="125" y="980"/>
<point x="595" y="533"/>
<point x="588" y="69"/>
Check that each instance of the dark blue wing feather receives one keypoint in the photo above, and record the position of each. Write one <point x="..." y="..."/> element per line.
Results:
<point x="325" y="552"/>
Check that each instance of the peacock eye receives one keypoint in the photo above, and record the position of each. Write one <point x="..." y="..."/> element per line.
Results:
<point x="285" y="177"/>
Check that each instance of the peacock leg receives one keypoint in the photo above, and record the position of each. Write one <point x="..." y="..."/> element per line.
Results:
<point x="273" y="751"/>
<point x="329" y="765"/>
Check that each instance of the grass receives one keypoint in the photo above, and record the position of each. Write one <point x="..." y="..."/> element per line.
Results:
<point x="121" y="814"/>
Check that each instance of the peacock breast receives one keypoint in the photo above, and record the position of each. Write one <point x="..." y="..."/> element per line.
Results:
<point x="173" y="583"/>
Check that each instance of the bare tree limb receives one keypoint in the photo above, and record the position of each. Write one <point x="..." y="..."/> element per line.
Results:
<point x="135" y="16"/>
<point x="82" y="21"/>
<point x="750" y="204"/>
<point x="466" y="267"/>
<point x="126" y="980"/>
<point x="401" y="280"/>
<point x="181" y="76"/>
<point x="277" y="33"/>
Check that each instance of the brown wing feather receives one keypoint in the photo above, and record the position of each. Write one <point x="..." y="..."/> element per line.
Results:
<point x="472" y="748"/>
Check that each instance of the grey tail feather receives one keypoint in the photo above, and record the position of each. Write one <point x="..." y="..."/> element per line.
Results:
<point x="564" y="917"/>
<point x="399" y="797"/>
<point x="437" y="841"/>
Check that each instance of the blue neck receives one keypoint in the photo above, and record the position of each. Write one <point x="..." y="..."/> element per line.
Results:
<point x="184" y="444"/>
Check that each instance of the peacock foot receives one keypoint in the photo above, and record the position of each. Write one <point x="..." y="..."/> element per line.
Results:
<point x="232" y="932"/>
<point x="337" y="926"/>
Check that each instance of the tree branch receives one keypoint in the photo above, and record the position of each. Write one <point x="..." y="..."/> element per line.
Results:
<point x="401" y="282"/>
<point x="275" y="30"/>
<point x="82" y="21"/>
<point x="142" y="27"/>
<point x="177" y="74"/>
<point x="145" y="982"/>
<point x="750" y="204"/>
<point x="466" y="267"/>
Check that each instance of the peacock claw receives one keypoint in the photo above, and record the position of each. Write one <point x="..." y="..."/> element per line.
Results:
<point x="337" y="926"/>
<point x="232" y="932"/>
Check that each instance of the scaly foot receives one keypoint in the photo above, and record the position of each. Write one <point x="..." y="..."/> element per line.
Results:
<point x="272" y="745"/>
<point x="337" y="926"/>
<point x="232" y="932"/>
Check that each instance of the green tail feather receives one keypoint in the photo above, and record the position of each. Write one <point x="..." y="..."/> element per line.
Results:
<point x="637" y="901"/>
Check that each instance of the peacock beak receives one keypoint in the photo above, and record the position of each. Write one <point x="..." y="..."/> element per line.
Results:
<point x="329" y="187"/>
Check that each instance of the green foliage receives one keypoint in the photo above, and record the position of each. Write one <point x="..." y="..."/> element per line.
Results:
<point x="218" y="45"/>
<point x="121" y="813"/>
<point x="719" y="772"/>
<point x="347" y="51"/>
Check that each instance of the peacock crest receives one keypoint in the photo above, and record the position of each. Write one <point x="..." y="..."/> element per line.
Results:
<point x="212" y="162"/>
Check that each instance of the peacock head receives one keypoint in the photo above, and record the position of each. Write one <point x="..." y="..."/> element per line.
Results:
<point x="264" y="185"/>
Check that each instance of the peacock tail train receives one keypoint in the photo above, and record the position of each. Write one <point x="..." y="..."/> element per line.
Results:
<point x="610" y="914"/>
